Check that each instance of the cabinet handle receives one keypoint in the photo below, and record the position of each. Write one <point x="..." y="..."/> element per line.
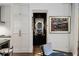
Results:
<point x="20" y="33"/>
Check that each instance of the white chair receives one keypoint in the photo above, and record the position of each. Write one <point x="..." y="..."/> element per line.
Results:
<point x="1" y="53"/>
<point x="7" y="51"/>
<point x="48" y="51"/>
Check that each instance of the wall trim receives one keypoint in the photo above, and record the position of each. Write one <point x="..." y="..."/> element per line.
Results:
<point x="39" y="11"/>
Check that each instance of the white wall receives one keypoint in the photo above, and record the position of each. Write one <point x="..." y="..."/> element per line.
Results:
<point x="59" y="41"/>
<point x="5" y="16"/>
<point x="75" y="29"/>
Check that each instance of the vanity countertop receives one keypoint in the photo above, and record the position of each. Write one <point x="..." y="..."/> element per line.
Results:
<point x="2" y="41"/>
<point x="3" y="36"/>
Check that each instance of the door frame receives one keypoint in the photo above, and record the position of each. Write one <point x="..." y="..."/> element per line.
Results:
<point x="39" y="11"/>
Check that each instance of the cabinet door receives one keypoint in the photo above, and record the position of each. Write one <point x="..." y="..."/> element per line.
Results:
<point x="20" y="18"/>
<point x="24" y="19"/>
<point x="20" y="27"/>
<point x="16" y="18"/>
<point x="24" y="42"/>
<point x="20" y="43"/>
<point x="16" y="42"/>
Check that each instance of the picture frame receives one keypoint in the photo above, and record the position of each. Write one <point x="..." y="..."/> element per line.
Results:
<point x="59" y="24"/>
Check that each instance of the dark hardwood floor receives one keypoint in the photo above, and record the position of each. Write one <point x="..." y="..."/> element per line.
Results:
<point x="36" y="52"/>
<point x="22" y="54"/>
<point x="78" y="51"/>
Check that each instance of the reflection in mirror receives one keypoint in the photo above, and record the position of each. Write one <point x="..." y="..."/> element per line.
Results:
<point x="39" y="26"/>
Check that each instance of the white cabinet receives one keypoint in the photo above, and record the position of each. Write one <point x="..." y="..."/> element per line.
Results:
<point x="19" y="22"/>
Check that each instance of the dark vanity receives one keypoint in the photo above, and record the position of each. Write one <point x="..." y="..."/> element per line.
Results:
<point x="4" y="43"/>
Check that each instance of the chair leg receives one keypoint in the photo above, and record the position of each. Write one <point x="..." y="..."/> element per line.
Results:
<point x="3" y="53"/>
<point x="12" y="53"/>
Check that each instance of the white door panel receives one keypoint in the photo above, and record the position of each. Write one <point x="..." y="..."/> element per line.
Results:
<point x="20" y="27"/>
<point x="20" y="43"/>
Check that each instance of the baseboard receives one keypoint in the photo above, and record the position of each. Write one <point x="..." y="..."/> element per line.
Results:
<point x="65" y="52"/>
<point x="61" y="51"/>
<point x="22" y="52"/>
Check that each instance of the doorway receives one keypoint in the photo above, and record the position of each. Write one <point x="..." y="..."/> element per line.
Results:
<point x="39" y="30"/>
